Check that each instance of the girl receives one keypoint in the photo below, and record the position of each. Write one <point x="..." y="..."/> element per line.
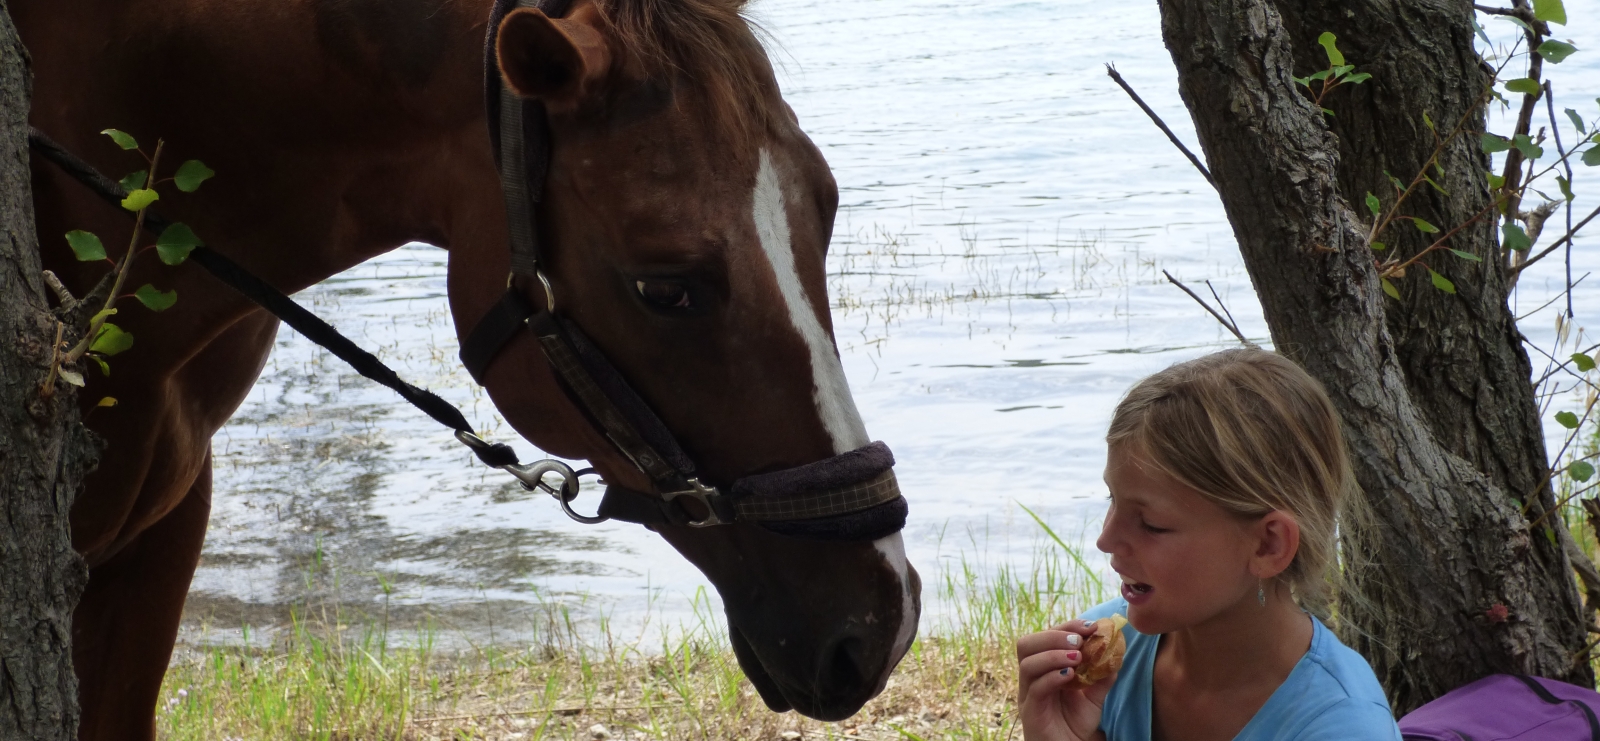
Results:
<point x="1227" y="477"/>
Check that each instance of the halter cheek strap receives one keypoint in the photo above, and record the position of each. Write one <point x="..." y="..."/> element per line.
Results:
<point x="850" y="496"/>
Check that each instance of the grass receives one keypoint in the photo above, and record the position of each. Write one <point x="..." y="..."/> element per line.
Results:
<point x="325" y="680"/>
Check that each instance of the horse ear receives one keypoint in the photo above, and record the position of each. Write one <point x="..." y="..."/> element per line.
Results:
<point x="555" y="60"/>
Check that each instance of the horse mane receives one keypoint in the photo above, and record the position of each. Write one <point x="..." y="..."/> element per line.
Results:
<point x="709" y="42"/>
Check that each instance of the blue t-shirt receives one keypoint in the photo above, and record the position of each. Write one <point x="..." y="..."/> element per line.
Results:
<point x="1331" y="695"/>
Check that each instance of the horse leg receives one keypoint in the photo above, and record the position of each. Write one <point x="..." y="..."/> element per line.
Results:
<point x="125" y="626"/>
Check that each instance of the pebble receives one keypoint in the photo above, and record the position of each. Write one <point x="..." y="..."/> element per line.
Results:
<point x="598" y="731"/>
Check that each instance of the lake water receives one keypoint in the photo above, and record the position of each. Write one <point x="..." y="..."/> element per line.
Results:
<point x="996" y="276"/>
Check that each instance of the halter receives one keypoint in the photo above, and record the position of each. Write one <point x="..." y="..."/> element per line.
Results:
<point x="850" y="496"/>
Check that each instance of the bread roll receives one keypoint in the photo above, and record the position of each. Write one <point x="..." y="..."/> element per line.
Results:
<point x="1102" y="653"/>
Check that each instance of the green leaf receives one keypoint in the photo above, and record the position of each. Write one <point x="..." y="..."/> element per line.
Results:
<point x="140" y="199"/>
<point x="1320" y="75"/>
<point x="1580" y="470"/>
<point x="1306" y="81"/>
<point x="1398" y="186"/>
<point x="121" y="138"/>
<point x="134" y="180"/>
<point x="1525" y="145"/>
<point x="101" y="314"/>
<point x="1379" y="246"/>
<point x="86" y="245"/>
<point x="1424" y="227"/>
<point x="1512" y="237"/>
<point x="1524" y="85"/>
<point x="1550" y="11"/>
<point x="1566" y="187"/>
<point x="191" y="174"/>
<point x="1592" y="157"/>
<point x="71" y="377"/>
<point x="1373" y="204"/>
<point x="1468" y="256"/>
<point x="1440" y="282"/>
<point x="105" y="370"/>
<point x="1518" y="21"/>
<point x="1358" y="78"/>
<point x="1567" y="420"/>
<point x="1555" y="52"/>
<point x="1427" y="121"/>
<point x="1496" y="181"/>
<point x="1478" y="29"/>
<point x="1327" y="40"/>
<point x="1389" y="289"/>
<point x="1584" y="362"/>
<point x="1577" y="121"/>
<point x="106" y="401"/>
<point x="154" y="299"/>
<point x="111" y="340"/>
<point x="1435" y="185"/>
<point x="175" y="244"/>
<point x="1492" y="143"/>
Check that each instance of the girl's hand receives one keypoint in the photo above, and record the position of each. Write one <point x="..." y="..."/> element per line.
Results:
<point x="1050" y="711"/>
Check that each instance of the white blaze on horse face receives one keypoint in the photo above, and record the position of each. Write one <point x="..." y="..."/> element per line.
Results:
<point x="893" y="549"/>
<point x="831" y="392"/>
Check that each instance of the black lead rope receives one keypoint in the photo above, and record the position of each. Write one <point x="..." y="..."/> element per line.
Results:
<point x="498" y="455"/>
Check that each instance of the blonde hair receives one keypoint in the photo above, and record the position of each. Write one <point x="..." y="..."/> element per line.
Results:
<point x="1252" y="432"/>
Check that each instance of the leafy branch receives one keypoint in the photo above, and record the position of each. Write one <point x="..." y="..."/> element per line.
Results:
<point x="102" y="338"/>
<point x="1336" y="75"/>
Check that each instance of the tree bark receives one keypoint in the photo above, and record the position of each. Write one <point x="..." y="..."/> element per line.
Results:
<point x="44" y="453"/>
<point x="1434" y="388"/>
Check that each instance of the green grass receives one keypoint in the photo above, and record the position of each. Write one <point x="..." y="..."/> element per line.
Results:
<point x="323" y="680"/>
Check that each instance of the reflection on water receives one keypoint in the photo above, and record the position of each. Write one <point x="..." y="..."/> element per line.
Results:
<point x="996" y="285"/>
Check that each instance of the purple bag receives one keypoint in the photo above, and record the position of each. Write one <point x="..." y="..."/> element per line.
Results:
<point x="1503" y="707"/>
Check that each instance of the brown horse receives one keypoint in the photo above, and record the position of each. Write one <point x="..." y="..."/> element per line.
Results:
<point x="685" y="223"/>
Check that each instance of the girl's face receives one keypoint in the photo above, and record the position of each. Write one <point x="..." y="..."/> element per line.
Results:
<point x="1183" y="560"/>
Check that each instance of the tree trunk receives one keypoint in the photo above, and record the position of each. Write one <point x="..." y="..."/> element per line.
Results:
<point x="44" y="453"/>
<point x="1433" y="388"/>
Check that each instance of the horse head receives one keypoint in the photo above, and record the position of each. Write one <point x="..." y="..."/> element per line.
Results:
<point x="683" y="227"/>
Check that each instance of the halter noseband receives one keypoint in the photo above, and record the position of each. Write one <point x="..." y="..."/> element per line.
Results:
<point x="850" y="496"/>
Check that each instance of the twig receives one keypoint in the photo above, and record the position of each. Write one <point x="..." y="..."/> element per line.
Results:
<point x="1555" y="131"/>
<point x="1112" y="71"/>
<point x="68" y="303"/>
<point x="1221" y="304"/>
<point x="1546" y="305"/>
<point x="1517" y="270"/>
<point x="1224" y="320"/>
<point x="1524" y="14"/>
<point x="49" y="388"/>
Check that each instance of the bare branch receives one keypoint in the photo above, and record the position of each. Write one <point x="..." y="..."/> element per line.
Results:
<point x="68" y="303"/>
<point x="1226" y="322"/>
<point x="1557" y="244"/>
<point x="1112" y="72"/>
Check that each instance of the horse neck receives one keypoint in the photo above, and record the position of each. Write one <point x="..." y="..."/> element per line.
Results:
<point x="339" y="129"/>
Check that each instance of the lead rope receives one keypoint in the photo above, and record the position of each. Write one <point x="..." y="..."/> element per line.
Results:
<point x="495" y="455"/>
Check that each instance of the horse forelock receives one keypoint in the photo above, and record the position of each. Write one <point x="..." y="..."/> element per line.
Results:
<point x="708" y="42"/>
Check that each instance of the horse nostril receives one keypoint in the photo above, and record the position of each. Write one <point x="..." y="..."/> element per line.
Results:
<point x="843" y="665"/>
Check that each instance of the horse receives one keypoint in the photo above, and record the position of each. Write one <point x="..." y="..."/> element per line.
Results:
<point x="685" y="222"/>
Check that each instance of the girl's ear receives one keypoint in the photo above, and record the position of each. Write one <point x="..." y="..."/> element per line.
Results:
<point x="1277" y="541"/>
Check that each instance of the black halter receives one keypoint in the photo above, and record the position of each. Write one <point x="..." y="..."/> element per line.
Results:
<point x="851" y="496"/>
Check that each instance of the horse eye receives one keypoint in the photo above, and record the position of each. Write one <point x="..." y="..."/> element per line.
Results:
<point x="663" y="294"/>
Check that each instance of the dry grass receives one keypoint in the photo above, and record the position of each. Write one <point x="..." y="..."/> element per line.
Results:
<point x="321" y="682"/>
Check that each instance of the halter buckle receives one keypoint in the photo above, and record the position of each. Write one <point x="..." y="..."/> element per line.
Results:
<point x="702" y="494"/>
